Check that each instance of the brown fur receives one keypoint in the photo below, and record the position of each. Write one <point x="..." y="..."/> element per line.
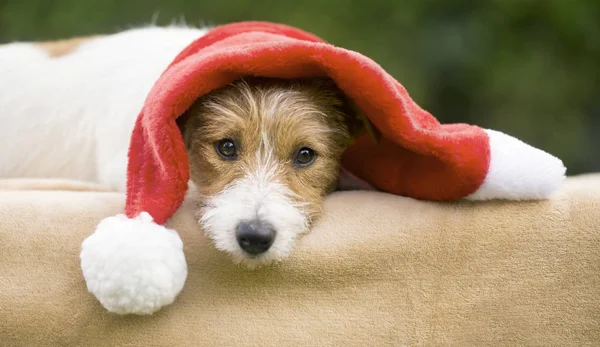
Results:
<point x="294" y="113"/>
<point x="56" y="49"/>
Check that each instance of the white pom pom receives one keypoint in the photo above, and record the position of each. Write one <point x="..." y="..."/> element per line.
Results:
<point x="133" y="266"/>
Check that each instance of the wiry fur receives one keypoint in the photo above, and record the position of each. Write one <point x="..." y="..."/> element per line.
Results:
<point x="67" y="109"/>
<point x="270" y="120"/>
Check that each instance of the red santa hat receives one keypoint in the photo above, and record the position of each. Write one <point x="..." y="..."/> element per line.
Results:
<point x="133" y="264"/>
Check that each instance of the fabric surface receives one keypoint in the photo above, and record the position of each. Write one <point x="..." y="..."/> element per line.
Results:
<point x="379" y="270"/>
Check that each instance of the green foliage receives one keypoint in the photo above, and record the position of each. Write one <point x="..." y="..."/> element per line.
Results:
<point x="525" y="67"/>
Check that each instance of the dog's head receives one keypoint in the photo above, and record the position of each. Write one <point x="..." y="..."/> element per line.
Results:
<point x="263" y="155"/>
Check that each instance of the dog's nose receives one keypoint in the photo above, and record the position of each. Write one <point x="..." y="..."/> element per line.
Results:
<point x="255" y="237"/>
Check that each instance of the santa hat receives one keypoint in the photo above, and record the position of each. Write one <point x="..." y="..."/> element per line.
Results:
<point x="133" y="264"/>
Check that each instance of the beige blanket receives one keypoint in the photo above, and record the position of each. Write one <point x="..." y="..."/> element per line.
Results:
<point x="379" y="270"/>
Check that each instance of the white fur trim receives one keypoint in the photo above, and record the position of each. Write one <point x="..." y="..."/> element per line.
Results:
<point x="133" y="266"/>
<point x="519" y="171"/>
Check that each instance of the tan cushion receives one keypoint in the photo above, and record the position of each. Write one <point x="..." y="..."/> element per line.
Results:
<point x="378" y="270"/>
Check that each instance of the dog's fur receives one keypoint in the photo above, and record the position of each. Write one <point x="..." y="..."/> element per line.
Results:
<point x="67" y="110"/>
<point x="270" y="121"/>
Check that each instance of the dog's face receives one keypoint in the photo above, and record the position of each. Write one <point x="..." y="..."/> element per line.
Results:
<point x="263" y="155"/>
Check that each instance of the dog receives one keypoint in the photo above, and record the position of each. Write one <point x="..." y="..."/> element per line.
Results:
<point x="264" y="153"/>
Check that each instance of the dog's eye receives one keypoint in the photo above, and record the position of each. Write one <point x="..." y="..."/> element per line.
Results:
<point x="304" y="157"/>
<point x="226" y="149"/>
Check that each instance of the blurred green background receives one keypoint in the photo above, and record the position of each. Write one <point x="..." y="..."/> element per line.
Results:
<point x="525" y="67"/>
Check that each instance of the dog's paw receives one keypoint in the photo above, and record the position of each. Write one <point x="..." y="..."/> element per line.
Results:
<point x="348" y="181"/>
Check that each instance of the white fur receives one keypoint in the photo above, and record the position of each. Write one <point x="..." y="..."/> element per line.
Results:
<point x="519" y="171"/>
<point x="71" y="116"/>
<point x="133" y="265"/>
<point x="258" y="195"/>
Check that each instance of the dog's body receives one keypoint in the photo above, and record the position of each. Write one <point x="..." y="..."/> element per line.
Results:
<point x="67" y="111"/>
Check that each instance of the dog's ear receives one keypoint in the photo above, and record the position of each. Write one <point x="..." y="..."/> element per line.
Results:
<point x="186" y="124"/>
<point x="359" y="124"/>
